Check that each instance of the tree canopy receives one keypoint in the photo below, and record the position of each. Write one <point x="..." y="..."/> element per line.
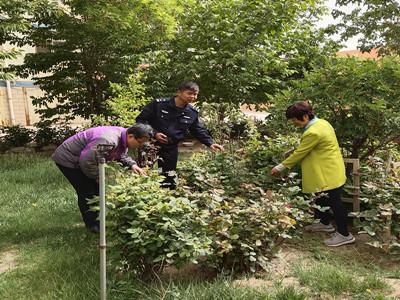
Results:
<point x="12" y="20"/>
<point x="85" y="45"/>
<point x="358" y="97"/>
<point x="240" y="51"/>
<point x="378" y="22"/>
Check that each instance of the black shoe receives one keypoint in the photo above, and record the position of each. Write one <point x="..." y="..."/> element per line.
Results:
<point x="94" y="229"/>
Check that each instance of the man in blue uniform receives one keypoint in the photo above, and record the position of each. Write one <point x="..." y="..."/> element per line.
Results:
<point x="171" y="119"/>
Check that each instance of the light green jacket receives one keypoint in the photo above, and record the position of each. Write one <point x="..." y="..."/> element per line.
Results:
<point x="322" y="165"/>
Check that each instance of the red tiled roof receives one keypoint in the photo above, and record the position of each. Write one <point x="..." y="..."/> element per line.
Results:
<point x="372" y="54"/>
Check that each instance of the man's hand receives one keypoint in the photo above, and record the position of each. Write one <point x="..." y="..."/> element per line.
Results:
<point x="275" y="171"/>
<point x="216" y="147"/>
<point x="138" y="170"/>
<point x="161" y="137"/>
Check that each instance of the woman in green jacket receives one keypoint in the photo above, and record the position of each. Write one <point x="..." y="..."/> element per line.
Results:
<point x="323" y="171"/>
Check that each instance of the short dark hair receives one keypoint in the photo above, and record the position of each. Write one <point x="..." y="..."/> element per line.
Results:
<point x="188" y="85"/>
<point x="299" y="110"/>
<point x="140" y="130"/>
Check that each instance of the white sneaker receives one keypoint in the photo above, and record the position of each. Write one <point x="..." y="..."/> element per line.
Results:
<point x="337" y="239"/>
<point x="319" y="227"/>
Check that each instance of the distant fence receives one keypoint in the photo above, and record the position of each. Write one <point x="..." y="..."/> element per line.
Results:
<point x="21" y="101"/>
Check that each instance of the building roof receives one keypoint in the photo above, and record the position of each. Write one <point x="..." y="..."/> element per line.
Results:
<point x="357" y="53"/>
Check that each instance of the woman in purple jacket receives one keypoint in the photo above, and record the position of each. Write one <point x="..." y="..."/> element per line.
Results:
<point x="76" y="158"/>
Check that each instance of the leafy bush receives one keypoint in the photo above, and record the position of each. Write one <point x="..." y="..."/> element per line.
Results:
<point x="126" y="103"/>
<point x="225" y="121"/>
<point x="223" y="208"/>
<point x="150" y="226"/>
<point x="380" y="195"/>
<point x="48" y="133"/>
<point x="15" y="136"/>
<point x="245" y="221"/>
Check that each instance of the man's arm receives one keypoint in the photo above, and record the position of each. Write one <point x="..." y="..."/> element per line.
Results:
<point x="147" y="114"/>
<point x="88" y="161"/>
<point x="128" y="162"/>
<point x="199" y="132"/>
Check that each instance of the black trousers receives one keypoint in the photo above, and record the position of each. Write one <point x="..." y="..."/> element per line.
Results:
<point x="333" y="200"/>
<point x="168" y="159"/>
<point x="85" y="188"/>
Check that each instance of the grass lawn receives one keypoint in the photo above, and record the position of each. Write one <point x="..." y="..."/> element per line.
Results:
<point x="46" y="253"/>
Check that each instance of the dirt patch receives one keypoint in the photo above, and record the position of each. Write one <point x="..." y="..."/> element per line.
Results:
<point x="395" y="287"/>
<point x="253" y="282"/>
<point x="189" y="271"/>
<point x="284" y="260"/>
<point x="280" y="268"/>
<point x="8" y="260"/>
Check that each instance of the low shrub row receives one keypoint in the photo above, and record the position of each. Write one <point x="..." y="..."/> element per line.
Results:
<point x="219" y="215"/>
<point x="44" y="134"/>
<point x="228" y="213"/>
<point x="380" y="201"/>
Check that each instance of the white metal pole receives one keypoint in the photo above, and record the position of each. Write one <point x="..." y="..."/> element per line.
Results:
<point x="10" y="98"/>
<point x="10" y="102"/>
<point x="102" y="244"/>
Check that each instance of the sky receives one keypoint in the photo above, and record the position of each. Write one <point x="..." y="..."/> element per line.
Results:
<point x="351" y="44"/>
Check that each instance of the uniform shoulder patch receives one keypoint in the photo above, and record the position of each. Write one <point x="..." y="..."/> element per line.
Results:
<point x="162" y="99"/>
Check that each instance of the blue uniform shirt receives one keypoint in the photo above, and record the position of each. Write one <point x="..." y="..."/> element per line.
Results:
<point x="175" y="122"/>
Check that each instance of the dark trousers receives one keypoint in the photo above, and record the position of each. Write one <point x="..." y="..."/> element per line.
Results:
<point x="333" y="200"/>
<point x="85" y="188"/>
<point x="168" y="159"/>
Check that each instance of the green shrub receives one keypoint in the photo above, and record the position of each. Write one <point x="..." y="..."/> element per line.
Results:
<point x="15" y="136"/>
<point x="48" y="133"/>
<point x="224" y="121"/>
<point x="244" y="220"/>
<point x="150" y="227"/>
<point x="224" y="209"/>
<point x="380" y="198"/>
<point x="126" y="103"/>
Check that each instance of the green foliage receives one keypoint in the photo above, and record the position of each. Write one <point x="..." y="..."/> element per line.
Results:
<point x="245" y="219"/>
<point x="39" y="215"/>
<point x="358" y="97"/>
<point x="224" y="209"/>
<point x="15" y="136"/>
<point x="89" y="44"/>
<point x="224" y="121"/>
<point x="239" y="51"/>
<point x="150" y="226"/>
<point x="290" y="293"/>
<point x="126" y="103"/>
<point x="48" y="133"/>
<point x="375" y="21"/>
<point x="380" y="195"/>
<point x="336" y="281"/>
<point x="4" y="55"/>
<point x="267" y="152"/>
<point x="11" y="20"/>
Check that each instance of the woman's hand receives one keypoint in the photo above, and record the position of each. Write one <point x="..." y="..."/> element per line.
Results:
<point x="275" y="171"/>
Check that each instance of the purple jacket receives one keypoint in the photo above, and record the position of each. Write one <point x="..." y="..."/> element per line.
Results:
<point x="78" y="151"/>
